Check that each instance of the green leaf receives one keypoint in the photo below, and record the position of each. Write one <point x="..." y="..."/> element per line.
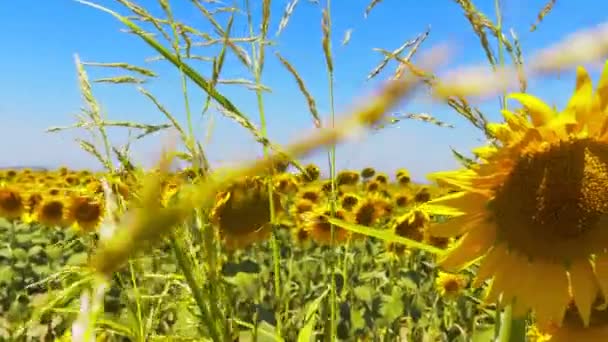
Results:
<point x="77" y="259"/>
<point x="385" y="235"/>
<point x="393" y="307"/>
<point x="306" y="333"/>
<point x="363" y="293"/>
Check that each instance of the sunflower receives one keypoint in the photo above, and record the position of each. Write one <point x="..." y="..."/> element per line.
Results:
<point x="573" y="328"/>
<point x="368" y="172"/>
<point x="411" y="225"/>
<point x="52" y="212"/>
<point x="319" y="228"/>
<point x="242" y="212"/>
<point x="381" y="178"/>
<point x="450" y="285"/>
<point x="347" y="177"/>
<point x="536" y="205"/>
<point x="286" y="183"/>
<point x="311" y="173"/>
<point x="11" y="203"/>
<point x="349" y="201"/>
<point x="423" y="195"/>
<point x="402" y="200"/>
<point x="85" y="212"/>
<point x="371" y="209"/>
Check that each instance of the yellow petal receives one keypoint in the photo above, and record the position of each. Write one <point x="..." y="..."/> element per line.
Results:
<point x="515" y="121"/>
<point x="485" y="152"/>
<point x="602" y="89"/>
<point x="461" y="179"/>
<point x="500" y="131"/>
<point x="601" y="272"/>
<point x="504" y="282"/>
<point x="550" y="288"/>
<point x="462" y="202"/>
<point x="470" y="247"/>
<point x="539" y="112"/>
<point x="584" y="287"/>
<point x="489" y="264"/>
<point x="580" y="102"/>
<point x="457" y="225"/>
<point x="526" y="292"/>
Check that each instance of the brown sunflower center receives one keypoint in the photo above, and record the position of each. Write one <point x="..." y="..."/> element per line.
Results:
<point x="52" y="211"/>
<point x="10" y="200"/>
<point x="554" y="200"/>
<point x="451" y="285"/>
<point x="86" y="210"/>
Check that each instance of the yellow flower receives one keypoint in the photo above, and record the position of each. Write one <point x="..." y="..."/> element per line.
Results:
<point x="11" y="203"/>
<point x="319" y="229"/>
<point x="85" y="212"/>
<point x="450" y="285"/>
<point x="53" y="212"/>
<point x="535" y="209"/>
<point x="242" y="212"/>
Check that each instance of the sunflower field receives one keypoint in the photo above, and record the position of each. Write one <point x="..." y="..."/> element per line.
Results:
<point x="508" y="248"/>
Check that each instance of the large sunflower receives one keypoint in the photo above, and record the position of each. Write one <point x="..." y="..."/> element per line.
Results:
<point x="535" y="208"/>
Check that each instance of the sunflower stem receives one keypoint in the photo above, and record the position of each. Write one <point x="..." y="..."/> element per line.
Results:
<point x="511" y="330"/>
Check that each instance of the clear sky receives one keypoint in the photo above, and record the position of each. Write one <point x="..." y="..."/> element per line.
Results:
<point x="39" y="87"/>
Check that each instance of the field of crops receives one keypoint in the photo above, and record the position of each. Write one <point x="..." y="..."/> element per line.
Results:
<point x="512" y="246"/>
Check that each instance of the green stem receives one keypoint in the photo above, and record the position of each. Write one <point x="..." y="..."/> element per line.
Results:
<point x="197" y="292"/>
<point x="258" y="60"/>
<point x="511" y="330"/>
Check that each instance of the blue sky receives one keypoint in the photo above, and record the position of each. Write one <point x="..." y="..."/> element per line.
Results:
<point x="39" y="83"/>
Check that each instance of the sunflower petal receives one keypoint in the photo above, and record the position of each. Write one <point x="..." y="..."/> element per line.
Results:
<point x="584" y="287"/>
<point x="601" y="272"/>
<point x="602" y="89"/>
<point x="489" y="264"/>
<point x="470" y="247"/>
<point x="580" y="102"/>
<point x="526" y="292"/>
<point x="456" y="226"/>
<point x="459" y="202"/>
<point x="550" y="288"/>
<point x="462" y="179"/>
<point x="539" y="111"/>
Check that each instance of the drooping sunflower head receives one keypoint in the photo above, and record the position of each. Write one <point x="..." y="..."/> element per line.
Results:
<point x="411" y="225"/>
<point x="286" y="183"/>
<point x="423" y="195"/>
<point x="282" y="165"/>
<point x="12" y="205"/>
<point x="371" y="209"/>
<point x="368" y="172"/>
<point x="242" y="213"/>
<point x="403" y="177"/>
<point x="537" y="204"/>
<point x="450" y="285"/>
<point x="381" y="178"/>
<point x="347" y="177"/>
<point x="311" y="173"/>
